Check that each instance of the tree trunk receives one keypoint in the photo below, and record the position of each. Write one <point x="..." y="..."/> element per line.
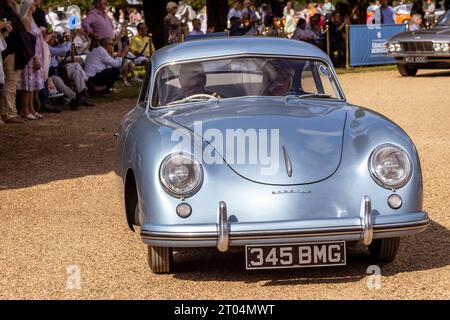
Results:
<point x="217" y="11"/>
<point x="154" y="12"/>
<point x="277" y="8"/>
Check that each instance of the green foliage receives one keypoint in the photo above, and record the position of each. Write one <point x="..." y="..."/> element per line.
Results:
<point x="197" y="4"/>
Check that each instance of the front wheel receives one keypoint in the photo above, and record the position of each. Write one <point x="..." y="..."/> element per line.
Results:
<point x="160" y="259"/>
<point x="384" y="250"/>
<point x="407" y="71"/>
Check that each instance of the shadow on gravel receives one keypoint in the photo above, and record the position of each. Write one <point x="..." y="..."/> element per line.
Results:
<point x="68" y="145"/>
<point x="432" y="74"/>
<point x="425" y="251"/>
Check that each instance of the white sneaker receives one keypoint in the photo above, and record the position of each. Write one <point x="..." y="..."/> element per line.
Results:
<point x="136" y="79"/>
<point x="1" y="122"/>
<point x="55" y="94"/>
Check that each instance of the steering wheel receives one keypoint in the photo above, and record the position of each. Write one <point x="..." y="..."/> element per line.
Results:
<point x="202" y="95"/>
<point x="197" y="97"/>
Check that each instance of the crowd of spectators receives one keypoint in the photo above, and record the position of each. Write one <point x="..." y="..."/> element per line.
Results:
<point x="44" y="59"/>
<point x="309" y="22"/>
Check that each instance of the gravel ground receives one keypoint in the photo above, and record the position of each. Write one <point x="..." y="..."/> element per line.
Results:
<point x="59" y="208"/>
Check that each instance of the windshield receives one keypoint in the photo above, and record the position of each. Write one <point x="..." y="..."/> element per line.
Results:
<point x="444" y="20"/>
<point x="244" y="76"/>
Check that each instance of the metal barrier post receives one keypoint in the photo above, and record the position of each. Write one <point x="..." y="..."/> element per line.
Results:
<point x="327" y="30"/>
<point x="150" y="42"/>
<point x="347" y="47"/>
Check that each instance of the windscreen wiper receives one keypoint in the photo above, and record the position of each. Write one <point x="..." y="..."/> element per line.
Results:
<point x="308" y="95"/>
<point x="195" y="98"/>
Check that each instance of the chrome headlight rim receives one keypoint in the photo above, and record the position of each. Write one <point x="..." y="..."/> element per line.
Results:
<point x="394" y="47"/>
<point x="377" y="179"/>
<point x="441" y="47"/>
<point x="166" y="185"/>
<point x="391" y="47"/>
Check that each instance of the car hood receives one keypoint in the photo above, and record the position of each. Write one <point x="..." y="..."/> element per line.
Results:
<point x="435" y="34"/>
<point x="278" y="142"/>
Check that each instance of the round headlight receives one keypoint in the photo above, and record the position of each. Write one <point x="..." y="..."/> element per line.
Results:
<point x="391" y="47"/>
<point x="390" y="166"/>
<point x="437" y="46"/>
<point x="181" y="175"/>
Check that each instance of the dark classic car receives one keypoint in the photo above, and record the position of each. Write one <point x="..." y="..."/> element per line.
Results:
<point x="422" y="49"/>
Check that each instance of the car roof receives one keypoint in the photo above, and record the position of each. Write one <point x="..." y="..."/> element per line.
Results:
<point x="228" y="46"/>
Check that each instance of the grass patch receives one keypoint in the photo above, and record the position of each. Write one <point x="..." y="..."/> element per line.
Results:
<point x="121" y="92"/>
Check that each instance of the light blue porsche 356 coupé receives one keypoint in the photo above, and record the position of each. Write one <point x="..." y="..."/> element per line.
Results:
<point x="251" y="143"/>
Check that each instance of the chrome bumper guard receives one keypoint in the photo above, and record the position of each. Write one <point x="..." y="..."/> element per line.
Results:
<point x="366" y="220"/>
<point x="223" y="237"/>
<point x="223" y="228"/>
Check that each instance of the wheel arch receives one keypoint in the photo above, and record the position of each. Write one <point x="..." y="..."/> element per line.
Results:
<point x="131" y="198"/>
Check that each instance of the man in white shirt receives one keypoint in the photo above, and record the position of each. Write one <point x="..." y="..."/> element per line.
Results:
<point x="235" y="11"/>
<point x="328" y="7"/>
<point x="52" y="17"/>
<point x="101" y="68"/>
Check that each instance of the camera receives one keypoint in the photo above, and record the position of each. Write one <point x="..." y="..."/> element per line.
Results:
<point x="125" y="41"/>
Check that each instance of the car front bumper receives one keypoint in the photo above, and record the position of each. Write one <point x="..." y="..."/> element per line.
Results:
<point x="224" y="234"/>
<point x="434" y="61"/>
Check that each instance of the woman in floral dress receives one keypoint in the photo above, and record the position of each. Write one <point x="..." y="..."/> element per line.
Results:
<point x="33" y="76"/>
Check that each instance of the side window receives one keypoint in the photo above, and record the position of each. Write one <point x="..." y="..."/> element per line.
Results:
<point x="316" y="77"/>
<point x="307" y="82"/>
<point x="145" y="89"/>
<point x="325" y="81"/>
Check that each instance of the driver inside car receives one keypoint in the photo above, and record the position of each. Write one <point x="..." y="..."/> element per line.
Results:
<point x="192" y="81"/>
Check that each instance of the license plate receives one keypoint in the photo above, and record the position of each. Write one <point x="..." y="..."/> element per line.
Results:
<point x="295" y="255"/>
<point x="416" y="59"/>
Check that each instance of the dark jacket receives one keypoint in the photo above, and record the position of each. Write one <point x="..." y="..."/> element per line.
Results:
<point x="27" y="52"/>
<point x="19" y="41"/>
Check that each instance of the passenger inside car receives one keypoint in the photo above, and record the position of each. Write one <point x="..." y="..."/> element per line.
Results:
<point x="277" y="78"/>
